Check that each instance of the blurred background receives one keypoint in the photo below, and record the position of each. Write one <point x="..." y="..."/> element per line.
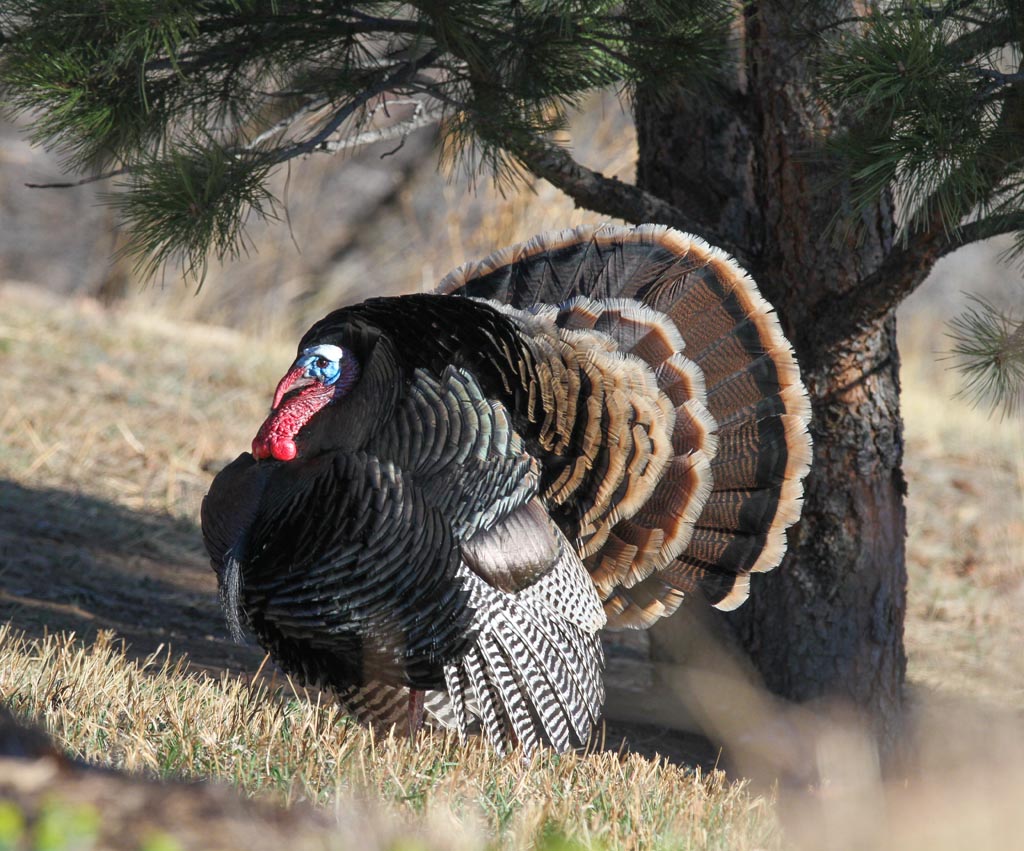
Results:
<point x="379" y="221"/>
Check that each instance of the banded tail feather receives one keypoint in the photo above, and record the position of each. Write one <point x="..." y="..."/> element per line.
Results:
<point x="717" y="351"/>
<point x="455" y="492"/>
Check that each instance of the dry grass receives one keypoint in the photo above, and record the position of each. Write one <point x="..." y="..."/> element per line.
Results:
<point x="155" y="717"/>
<point x="131" y="406"/>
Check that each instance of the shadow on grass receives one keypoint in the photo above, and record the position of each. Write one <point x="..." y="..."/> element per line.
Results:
<point x="71" y="562"/>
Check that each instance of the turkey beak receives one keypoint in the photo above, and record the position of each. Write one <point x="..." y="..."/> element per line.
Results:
<point x="295" y="379"/>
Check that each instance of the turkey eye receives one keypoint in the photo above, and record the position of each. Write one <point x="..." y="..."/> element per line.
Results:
<point x="322" y="363"/>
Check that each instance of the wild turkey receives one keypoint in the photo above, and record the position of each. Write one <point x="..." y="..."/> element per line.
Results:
<point x="454" y="492"/>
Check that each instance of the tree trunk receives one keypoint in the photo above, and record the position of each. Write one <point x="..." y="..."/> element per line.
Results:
<point x="829" y="620"/>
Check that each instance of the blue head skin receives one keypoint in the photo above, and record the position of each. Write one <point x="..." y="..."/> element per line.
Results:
<point x="325" y="364"/>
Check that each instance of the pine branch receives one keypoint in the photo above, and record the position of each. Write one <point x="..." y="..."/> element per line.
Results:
<point x="937" y="225"/>
<point x="313" y="104"/>
<point x="950" y="10"/>
<point x="609" y="195"/>
<point x="320" y="140"/>
<point x="988" y="349"/>
<point x="904" y="269"/>
<point x="985" y="228"/>
<point x="422" y="116"/>
<point x="186" y="101"/>
<point x="92" y="178"/>
<point x="1000" y="78"/>
<point x="983" y="39"/>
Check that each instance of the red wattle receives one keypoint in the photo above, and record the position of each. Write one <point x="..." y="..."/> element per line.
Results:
<point x="284" y="449"/>
<point x="276" y="437"/>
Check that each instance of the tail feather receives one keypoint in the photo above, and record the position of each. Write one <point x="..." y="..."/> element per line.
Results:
<point x="645" y="603"/>
<point x="746" y="511"/>
<point x="759" y="378"/>
<point x="718" y="352"/>
<point x="789" y="401"/>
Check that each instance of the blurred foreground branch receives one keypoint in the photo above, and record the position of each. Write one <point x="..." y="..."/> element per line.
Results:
<point x="988" y="349"/>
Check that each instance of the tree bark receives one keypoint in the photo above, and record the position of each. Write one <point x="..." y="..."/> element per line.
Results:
<point x="829" y="620"/>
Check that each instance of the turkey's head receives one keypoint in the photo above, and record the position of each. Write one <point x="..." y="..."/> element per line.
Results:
<point x="341" y="387"/>
<point x="319" y="376"/>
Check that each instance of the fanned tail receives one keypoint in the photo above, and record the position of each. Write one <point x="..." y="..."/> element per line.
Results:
<point x="741" y="448"/>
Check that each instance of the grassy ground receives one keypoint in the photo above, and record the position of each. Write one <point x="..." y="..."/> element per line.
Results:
<point x="154" y="716"/>
<point x="113" y="424"/>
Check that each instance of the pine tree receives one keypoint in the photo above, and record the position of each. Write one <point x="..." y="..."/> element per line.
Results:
<point x="936" y="120"/>
<point x="838" y="154"/>
<point x="191" y="105"/>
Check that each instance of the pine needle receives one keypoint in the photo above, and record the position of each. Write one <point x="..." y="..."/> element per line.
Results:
<point x="988" y="348"/>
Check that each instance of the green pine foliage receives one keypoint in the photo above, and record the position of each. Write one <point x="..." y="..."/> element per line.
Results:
<point x="988" y="349"/>
<point x="193" y="104"/>
<point x="935" y="91"/>
<point x="937" y="102"/>
<point x="193" y="200"/>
